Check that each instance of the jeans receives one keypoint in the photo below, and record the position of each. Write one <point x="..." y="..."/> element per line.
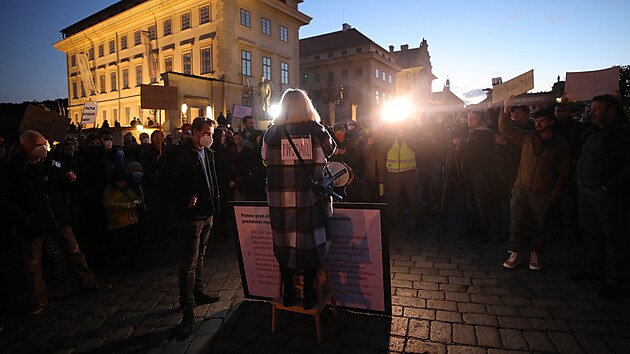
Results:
<point x="194" y="236"/>
<point x="402" y="185"/>
<point x="32" y="248"/>
<point x="602" y="216"/>
<point x="529" y="216"/>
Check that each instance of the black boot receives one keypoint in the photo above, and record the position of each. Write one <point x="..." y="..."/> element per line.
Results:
<point x="288" y="290"/>
<point x="185" y="327"/>
<point x="309" y="292"/>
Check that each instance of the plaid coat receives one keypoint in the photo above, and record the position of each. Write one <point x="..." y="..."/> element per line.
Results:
<point x="297" y="223"/>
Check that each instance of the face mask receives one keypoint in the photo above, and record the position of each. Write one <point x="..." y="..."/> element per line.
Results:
<point x="137" y="176"/>
<point x="39" y="152"/>
<point x="351" y="127"/>
<point x="108" y="144"/>
<point x="206" y="141"/>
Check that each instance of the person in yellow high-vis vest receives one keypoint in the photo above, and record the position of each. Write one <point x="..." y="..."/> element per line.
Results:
<point x="401" y="180"/>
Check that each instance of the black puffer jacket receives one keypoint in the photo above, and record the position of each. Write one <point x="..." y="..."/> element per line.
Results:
<point x="31" y="196"/>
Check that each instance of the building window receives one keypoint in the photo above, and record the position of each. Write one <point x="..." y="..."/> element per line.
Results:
<point x="384" y="97"/>
<point x="284" y="73"/>
<point x="204" y="14"/>
<point x="74" y="90"/>
<point x="317" y="57"/>
<point x="187" y="63"/>
<point x="101" y="50"/>
<point x="266" y="63"/>
<point x="245" y="18"/>
<point x="186" y="20"/>
<point x="91" y="54"/>
<point x="206" y="60"/>
<point x="377" y="73"/>
<point x="168" y="64"/>
<point x="318" y="78"/>
<point x="123" y="42"/>
<point x="247" y="100"/>
<point x="137" y="37"/>
<point x="390" y="78"/>
<point x="112" y="79"/>
<point x="104" y="115"/>
<point x="82" y="90"/>
<point x="359" y="50"/>
<point x="344" y="73"/>
<point x="284" y="34"/>
<point x="128" y="114"/>
<point x="384" y="76"/>
<point x="125" y="78"/>
<point x="152" y="32"/>
<point x="359" y="72"/>
<point x="102" y="83"/>
<point x="73" y="60"/>
<point x="138" y="75"/>
<point x="246" y="63"/>
<point x="112" y="46"/>
<point x="167" y="27"/>
<point x="265" y="25"/>
<point x="330" y="55"/>
<point x="378" y="97"/>
<point x="115" y="114"/>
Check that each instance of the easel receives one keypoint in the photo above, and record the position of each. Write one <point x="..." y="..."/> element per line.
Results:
<point x="324" y="296"/>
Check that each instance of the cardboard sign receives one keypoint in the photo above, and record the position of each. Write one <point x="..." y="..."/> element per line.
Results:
<point x="304" y="146"/>
<point x="583" y="86"/>
<point x="516" y="86"/>
<point x="239" y="111"/>
<point x="159" y="97"/>
<point x="358" y="256"/>
<point x="89" y="113"/>
<point x="49" y="124"/>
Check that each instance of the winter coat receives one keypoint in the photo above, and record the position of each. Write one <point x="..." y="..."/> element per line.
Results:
<point x="297" y="222"/>
<point x="120" y="207"/>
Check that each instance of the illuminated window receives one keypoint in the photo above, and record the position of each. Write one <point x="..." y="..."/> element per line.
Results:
<point x="378" y="97"/>
<point x="284" y="73"/>
<point x="101" y="50"/>
<point x="138" y="75"/>
<point x="168" y="64"/>
<point x="206" y="60"/>
<point x="390" y="78"/>
<point x="167" y="27"/>
<point x="112" y="79"/>
<point x="266" y="63"/>
<point x="125" y="78"/>
<point x="137" y="38"/>
<point x="91" y="54"/>
<point x="384" y="76"/>
<point x="186" y="20"/>
<point x="186" y="63"/>
<point x="265" y="25"/>
<point x="245" y="18"/>
<point x="204" y="14"/>
<point x="123" y="42"/>
<point x="246" y="63"/>
<point x="377" y="73"/>
<point x="152" y="32"/>
<point x="112" y="46"/>
<point x="284" y="34"/>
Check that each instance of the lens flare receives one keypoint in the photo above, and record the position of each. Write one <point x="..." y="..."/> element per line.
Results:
<point x="397" y="109"/>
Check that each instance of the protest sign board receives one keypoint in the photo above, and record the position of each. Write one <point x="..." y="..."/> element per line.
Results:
<point x="584" y="85"/>
<point x="49" y="124"/>
<point x="89" y="113"/>
<point x="516" y="86"/>
<point x="239" y="111"/>
<point x="159" y="97"/>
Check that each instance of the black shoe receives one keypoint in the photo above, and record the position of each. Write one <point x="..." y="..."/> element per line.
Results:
<point x="184" y="329"/>
<point x="288" y="294"/>
<point x="202" y="298"/>
<point x="97" y="286"/>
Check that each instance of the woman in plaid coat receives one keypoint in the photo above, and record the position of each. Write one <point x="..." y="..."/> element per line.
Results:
<point x="297" y="222"/>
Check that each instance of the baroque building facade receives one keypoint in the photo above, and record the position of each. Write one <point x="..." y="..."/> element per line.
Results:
<point x="214" y="51"/>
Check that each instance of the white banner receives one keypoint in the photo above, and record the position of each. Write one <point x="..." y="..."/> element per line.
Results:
<point x="86" y="74"/>
<point x="303" y="145"/>
<point x="89" y="113"/>
<point x="150" y="55"/>
<point x="358" y="257"/>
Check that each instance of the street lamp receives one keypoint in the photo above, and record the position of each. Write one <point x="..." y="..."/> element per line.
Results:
<point x="184" y="111"/>
<point x="209" y="113"/>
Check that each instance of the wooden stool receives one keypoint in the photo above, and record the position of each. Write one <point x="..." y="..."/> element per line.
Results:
<point x="324" y="296"/>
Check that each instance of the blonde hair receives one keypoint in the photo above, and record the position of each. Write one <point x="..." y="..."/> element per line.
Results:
<point x="296" y="107"/>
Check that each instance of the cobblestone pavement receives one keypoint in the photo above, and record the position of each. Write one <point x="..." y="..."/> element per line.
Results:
<point x="451" y="296"/>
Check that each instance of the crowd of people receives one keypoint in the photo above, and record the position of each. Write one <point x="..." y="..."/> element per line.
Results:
<point x="523" y="174"/>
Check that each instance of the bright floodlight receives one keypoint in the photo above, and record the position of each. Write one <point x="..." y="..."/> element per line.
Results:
<point x="139" y="127"/>
<point x="396" y="109"/>
<point x="274" y="110"/>
<point x="184" y="108"/>
<point x="209" y="113"/>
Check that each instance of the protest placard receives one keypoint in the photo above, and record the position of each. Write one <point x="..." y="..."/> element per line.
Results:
<point x="49" y="124"/>
<point x="516" y="86"/>
<point x="584" y="85"/>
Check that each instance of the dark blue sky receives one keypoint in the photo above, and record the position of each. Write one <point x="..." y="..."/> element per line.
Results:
<point x="469" y="41"/>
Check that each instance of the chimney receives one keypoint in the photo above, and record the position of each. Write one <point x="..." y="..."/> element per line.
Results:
<point x="391" y="48"/>
<point x="345" y="27"/>
<point x="404" y="47"/>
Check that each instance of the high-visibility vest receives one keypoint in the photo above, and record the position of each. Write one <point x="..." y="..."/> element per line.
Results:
<point x="400" y="158"/>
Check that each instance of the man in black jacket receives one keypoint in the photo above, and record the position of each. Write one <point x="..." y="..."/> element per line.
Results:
<point x="32" y="198"/>
<point x="603" y="175"/>
<point x="188" y="172"/>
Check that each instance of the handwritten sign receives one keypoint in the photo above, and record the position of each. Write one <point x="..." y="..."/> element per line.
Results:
<point x="584" y="85"/>
<point x="303" y="145"/>
<point x="89" y="113"/>
<point x="358" y="256"/>
<point x="239" y="111"/>
<point x="49" y="124"/>
<point x="159" y="97"/>
<point x="516" y="86"/>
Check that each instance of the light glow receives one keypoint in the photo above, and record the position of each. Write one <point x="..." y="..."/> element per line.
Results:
<point x="184" y="108"/>
<point x="397" y="109"/>
<point x="209" y="112"/>
<point x="274" y="110"/>
<point x="139" y="127"/>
